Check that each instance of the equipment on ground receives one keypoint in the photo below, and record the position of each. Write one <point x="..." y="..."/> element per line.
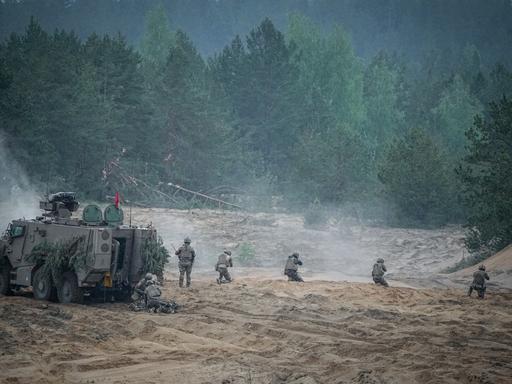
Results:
<point x="159" y="305"/>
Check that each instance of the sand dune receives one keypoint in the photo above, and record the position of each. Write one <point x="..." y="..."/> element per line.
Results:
<point x="499" y="267"/>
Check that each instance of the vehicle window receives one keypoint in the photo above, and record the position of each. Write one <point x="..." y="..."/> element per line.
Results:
<point x="17" y="231"/>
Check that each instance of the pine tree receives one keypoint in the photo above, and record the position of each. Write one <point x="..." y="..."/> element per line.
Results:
<point x="454" y="114"/>
<point x="201" y="145"/>
<point x="157" y="40"/>
<point x="24" y="102"/>
<point x="418" y="188"/>
<point x="384" y="92"/>
<point x="331" y="157"/>
<point x="266" y="107"/>
<point x="486" y="174"/>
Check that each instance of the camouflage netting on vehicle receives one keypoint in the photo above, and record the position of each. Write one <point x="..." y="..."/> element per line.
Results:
<point x="155" y="256"/>
<point x="61" y="256"/>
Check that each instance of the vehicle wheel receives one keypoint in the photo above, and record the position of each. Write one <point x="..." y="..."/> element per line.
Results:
<point x="42" y="285"/>
<point x="68" y="290"/>
<point x="5" y="280"/>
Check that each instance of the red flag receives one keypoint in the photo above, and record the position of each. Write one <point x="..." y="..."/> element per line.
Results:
<point x="116" y="200"/>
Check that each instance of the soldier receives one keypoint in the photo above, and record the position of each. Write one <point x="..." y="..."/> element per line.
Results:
<point x="223" y="263"/>
<point x="186" y="256"/>
<point x="478" y="283"/>
<point x="153" y="294"/>
<point x="138" y="291"/>
<point x="291" y="267"/>
<point x="378" y="273"/>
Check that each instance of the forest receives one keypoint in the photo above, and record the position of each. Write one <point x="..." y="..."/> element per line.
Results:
<point x="405" y="116"/>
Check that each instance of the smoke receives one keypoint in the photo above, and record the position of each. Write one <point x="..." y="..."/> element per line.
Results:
<point x="18" y="196"/>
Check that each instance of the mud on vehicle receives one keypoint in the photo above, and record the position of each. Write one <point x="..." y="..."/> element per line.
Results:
<point x="65" y="259"/>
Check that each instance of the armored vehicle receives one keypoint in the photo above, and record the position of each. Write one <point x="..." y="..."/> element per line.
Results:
<point x="66" y="258"/>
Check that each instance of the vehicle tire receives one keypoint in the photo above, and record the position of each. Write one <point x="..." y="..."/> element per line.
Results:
<point x="68" y="290"/>
<point x="5" y="279"/>
<point x="42" y="285"/>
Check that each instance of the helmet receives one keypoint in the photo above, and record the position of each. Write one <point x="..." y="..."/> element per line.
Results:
<point x="296" y="254"/>
<point x="149" y="276"/>
<point x="187" y="240"/>
<point x="482" y="267"/>
<point x="227" y="252"/>
<point x="380" y="260"/>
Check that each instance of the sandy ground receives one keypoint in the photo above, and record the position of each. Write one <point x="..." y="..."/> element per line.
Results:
<point x="264" y="331"/>
<point x="335" y="328"/>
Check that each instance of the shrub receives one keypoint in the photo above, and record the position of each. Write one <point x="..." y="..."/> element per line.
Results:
<point x="246" y="254"/>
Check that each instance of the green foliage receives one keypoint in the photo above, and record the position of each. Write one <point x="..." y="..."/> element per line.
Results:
<point x="265" y="104"/>
<point x="417" y="181"/>
<point x="246" y="254"/>
<point x="499" y="84"/>
<point x="298" y="116"/>
<point x="384" y="95"/>
<point x="155" y="256"/>
<point x="58" y="257"/>
<point x="157" y="39"/>
<point x="486" y="174"/>
<point x="454" y="114"/>
<point x="330" y="80"/>
<point x="331" y="166"/>
<point x="71" y="106"/>
<point x="331" y="158"/>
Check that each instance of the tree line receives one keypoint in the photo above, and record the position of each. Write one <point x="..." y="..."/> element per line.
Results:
<point x="294" y="113"/>
<point x="410" y="27"/>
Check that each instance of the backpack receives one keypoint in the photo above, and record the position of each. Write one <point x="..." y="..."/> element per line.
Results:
<point x="152" y="291"/>
<point x="377" y="270"/>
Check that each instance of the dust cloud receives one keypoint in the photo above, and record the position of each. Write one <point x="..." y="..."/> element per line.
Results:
<point x="340" y="250"/>
<point x="18" y="196"/>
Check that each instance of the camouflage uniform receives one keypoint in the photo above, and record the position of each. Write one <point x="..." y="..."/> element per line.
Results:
<point x="223" y="263"/>
<point x="186" y="256"/>
<point x="138" y="291"/>
<point x="478" y="283"/>
<point x="378" y="273"/>
<point x="291" y="268"/>
<point x="152" y="293"/>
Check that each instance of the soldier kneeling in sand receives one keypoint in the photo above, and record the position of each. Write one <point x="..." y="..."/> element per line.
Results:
<point x="378" y="273"/>
<point x="478" y="283"/>
<point x="223" y="263"/>
<point x="291" y="268"/>
<point x="153" y="294"/>
<point x="138" y="291"/>
<point x="154" y="303"/>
